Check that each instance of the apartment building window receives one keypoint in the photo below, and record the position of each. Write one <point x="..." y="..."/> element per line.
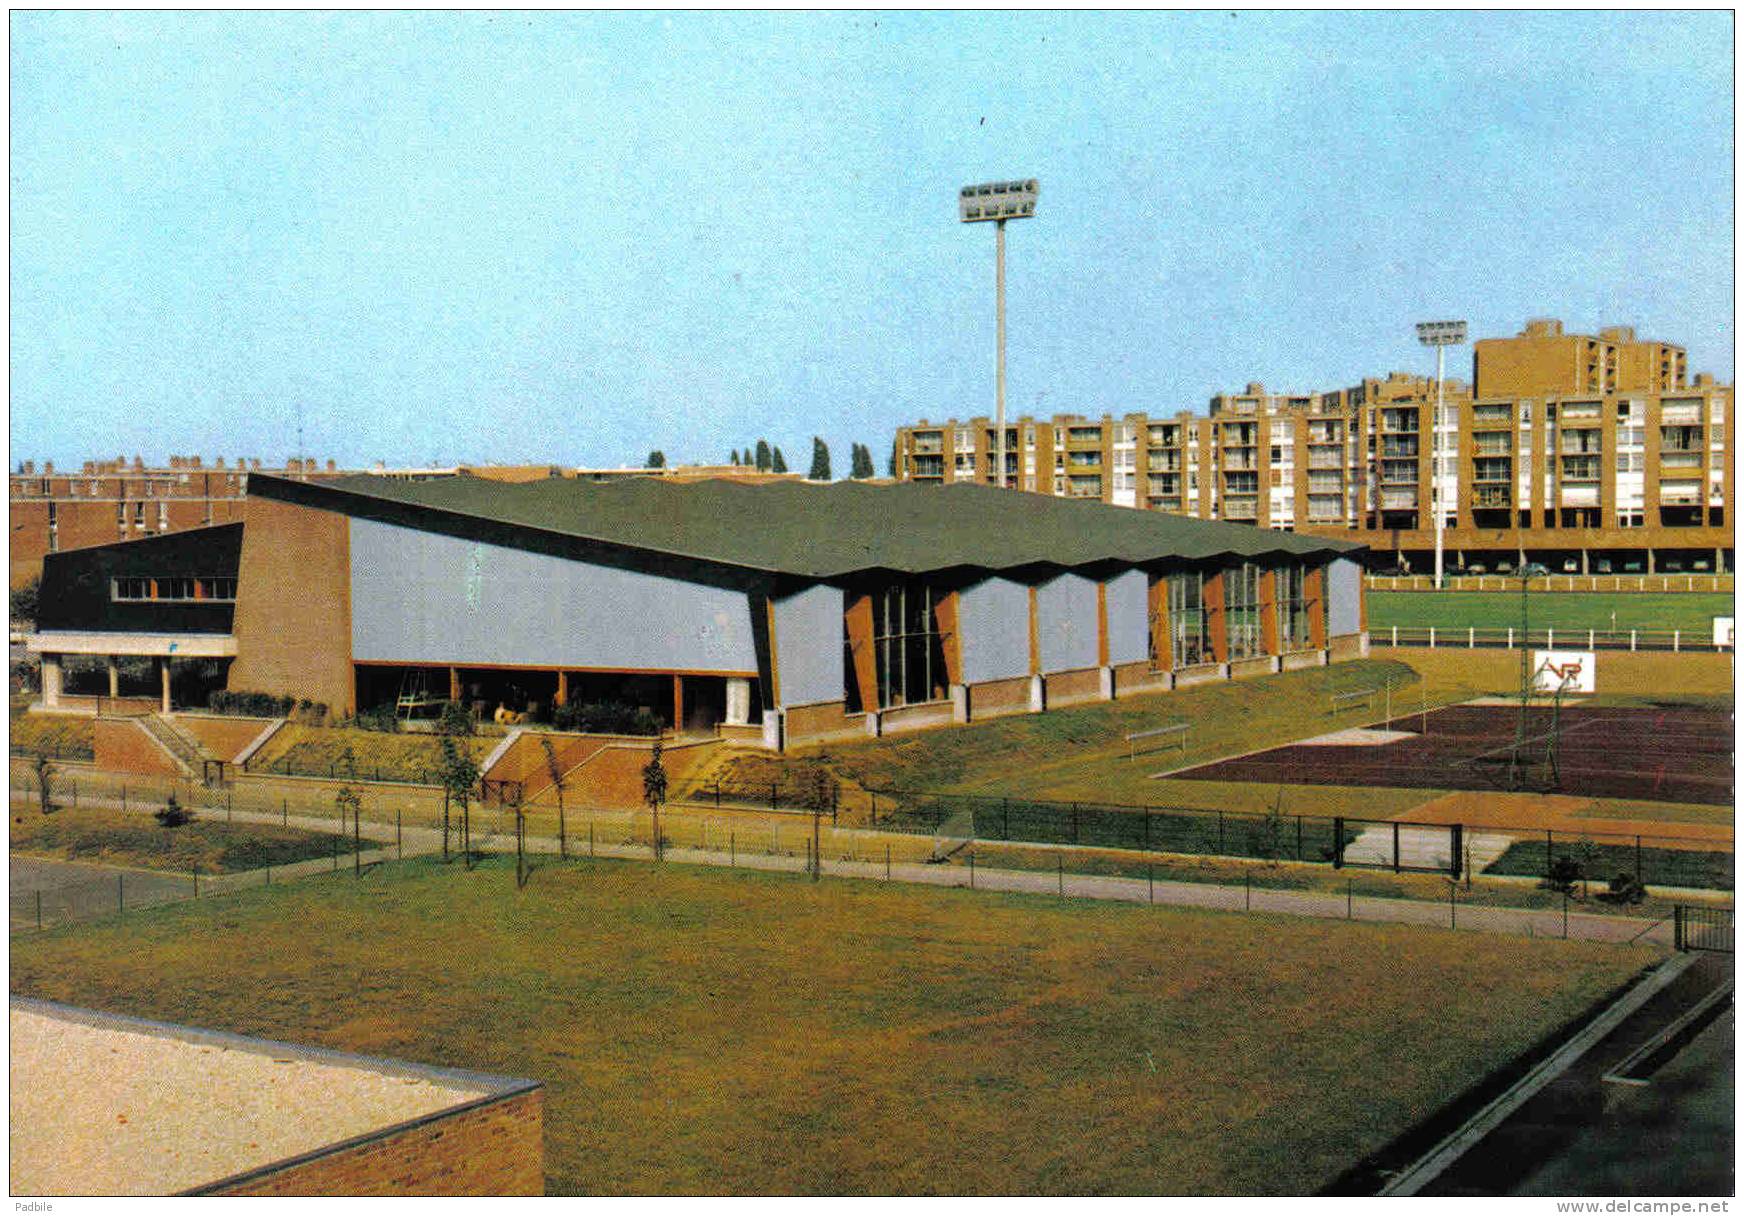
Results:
<point x="130" y="588"/>
<point x="1241" y="590"/>
<point x="906" y="644"/>
<point x="1241" y="483"/>
<point x="1084" y="486"/>
<point x="1082" y="459"/>
<point x="217" y="588"/>
<point x="1631" y="519"/>
<point x="1631" y="462"/>
<point x="54" y="538"/>
<point x="1189" y="622"/>
<point x="1290" y="585"/>
<point x="175" y="588"/>
<point x="1580" y="468"/>
<point x="927" y="466"/>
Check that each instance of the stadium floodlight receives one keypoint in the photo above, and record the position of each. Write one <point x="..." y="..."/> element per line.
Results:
<point x="1440" y="335"/>
<point x="998" y="202"/>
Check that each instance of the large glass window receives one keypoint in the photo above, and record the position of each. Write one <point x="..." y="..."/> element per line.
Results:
<point x="1292" y="592"/>
<point x="1241" y="589"/>
<point x="906" y="642"/>
<point x="1189" y="624"/>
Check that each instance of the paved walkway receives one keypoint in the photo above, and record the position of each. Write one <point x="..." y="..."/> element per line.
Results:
<point x="413" y="840"/>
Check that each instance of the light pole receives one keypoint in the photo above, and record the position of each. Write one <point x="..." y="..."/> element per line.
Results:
<point x="1440" y="335"/>
<point x="998" y="202"/>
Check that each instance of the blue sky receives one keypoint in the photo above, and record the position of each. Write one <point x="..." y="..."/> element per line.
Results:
<point x="576" y="237"/>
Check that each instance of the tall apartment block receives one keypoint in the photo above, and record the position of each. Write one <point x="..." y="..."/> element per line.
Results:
<point x="1592" y="454"/>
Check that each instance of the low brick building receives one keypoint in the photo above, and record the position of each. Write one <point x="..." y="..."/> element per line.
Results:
<point x="770" y="613"/>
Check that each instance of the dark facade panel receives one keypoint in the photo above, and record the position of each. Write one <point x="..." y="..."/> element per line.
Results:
<point x="77" y="585"/>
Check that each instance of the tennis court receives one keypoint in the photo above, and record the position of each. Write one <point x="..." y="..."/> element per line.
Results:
<point x="1664" y="755"/>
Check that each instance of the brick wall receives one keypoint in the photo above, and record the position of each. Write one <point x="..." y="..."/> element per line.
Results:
<point x="493" y="1149"/>
<point x="223" y="737"/>
<point x="996" y="698"/>
<point x="293" y="605"/>
<point x="1071" y="687"/>
<point x="124" y="747"/>
<point x="812" y="723"/>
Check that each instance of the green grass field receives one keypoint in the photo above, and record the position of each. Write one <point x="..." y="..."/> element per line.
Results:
<point x="1692" y="612"/>
<point x="118" y="838"/>
<point x="743" y="1033"/>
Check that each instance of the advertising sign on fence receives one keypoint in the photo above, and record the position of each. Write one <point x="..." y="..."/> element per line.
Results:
<point x="1722" y="631"/>
<point x="1569" y="670"/>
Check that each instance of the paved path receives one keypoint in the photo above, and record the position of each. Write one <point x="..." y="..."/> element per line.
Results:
<point x="1581" y="926"/>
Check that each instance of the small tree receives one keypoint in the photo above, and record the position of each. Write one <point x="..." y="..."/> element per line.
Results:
<point x="456" y="720"/>
<point x="42" y="762"/>
<point x="735" y="458"/>
<point x="861" y="461"/>
<point x="1270" y="844"/>
<point x="555" y="771"/>
<point x="656" y="459"/>
<point x="458" y="773"/>
<point x="777" y="462"/>
<point x="820" y="460"/>
<point x="654" y="793"/>
<point x="762" y="456"/>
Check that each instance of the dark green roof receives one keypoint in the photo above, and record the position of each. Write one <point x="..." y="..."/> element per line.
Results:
<point x="822" y="531"/>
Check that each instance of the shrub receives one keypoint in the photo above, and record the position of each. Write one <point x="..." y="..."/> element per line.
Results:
<point x="173" y="814"/>
<point x="1625" y="889"/>
<point x="1565" y="871"/>
<point x="606" y="718"/>
<point x="252" y="704"/>
<point x="382" y="718"/>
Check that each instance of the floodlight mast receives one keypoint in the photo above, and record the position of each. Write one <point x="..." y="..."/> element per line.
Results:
<point x="1440" y="335"/>
<point x="998" y="202"/>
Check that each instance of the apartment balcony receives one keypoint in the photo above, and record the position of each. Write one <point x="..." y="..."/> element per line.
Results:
<point x="1680" y="460"/>
<point x="1680" y="493"/>
<point x="1243" y="461"/>
<point x="1399" y="499"/>
<point x="1239" y="507"/>
<point x="1165" y="462"/>
<point x="1492" y="496"/>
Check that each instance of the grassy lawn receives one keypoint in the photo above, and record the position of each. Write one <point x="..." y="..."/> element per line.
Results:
<point x="1692" y="612"/>
<point x="1081" y="752"/>
<point x="344" y="751"/>
<point x="66" y="738"/>
<point x="748" y="1033"/>
<point x="136" y="839"/>
<point x="1624" y="678"/>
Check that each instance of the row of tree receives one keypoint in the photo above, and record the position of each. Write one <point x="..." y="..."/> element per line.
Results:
<point x="767" y="459"/>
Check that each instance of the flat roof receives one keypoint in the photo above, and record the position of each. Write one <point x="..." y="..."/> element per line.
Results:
<point x="809" y="529"/>
<point x="103" y="1104"/>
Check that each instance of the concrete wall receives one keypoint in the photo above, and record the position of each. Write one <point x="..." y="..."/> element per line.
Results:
<point x="808" y="645"/>
<point x="993" y="618"/>
<point x="418" y="597"/>
<point x="1066" y="622"/>
<point x="1343" y="597"/>
<point x="1129" y="627"/>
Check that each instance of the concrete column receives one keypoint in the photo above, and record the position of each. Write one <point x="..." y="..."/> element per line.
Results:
<point x="772" y="733"/>
<point x="738" y="701"/>
<point x="1106" y="683"/>
<point x="959" y="702"/>
<point x="163" y="674"/>
<point x="51" y="681"/>
<point x="1038" y="699"/>
<point x="1650" y="569"/>
<point x="114" y="677"/>
<point x="1584" y="569"/>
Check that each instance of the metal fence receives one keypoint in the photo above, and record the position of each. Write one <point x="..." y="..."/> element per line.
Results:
<point x="1511" y="851"/>
<point x="1555" y="582"/>
<point x="1471" y="638"/>
<point x="1701" y="928"/>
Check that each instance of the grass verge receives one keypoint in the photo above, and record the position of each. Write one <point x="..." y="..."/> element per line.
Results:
<point x="64" y="737"/>
<point x="136" y="839"/>
<point x="747" y="1033"/>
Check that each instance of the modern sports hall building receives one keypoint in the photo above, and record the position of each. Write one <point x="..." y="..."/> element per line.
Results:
<point x="778" y="613"/>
